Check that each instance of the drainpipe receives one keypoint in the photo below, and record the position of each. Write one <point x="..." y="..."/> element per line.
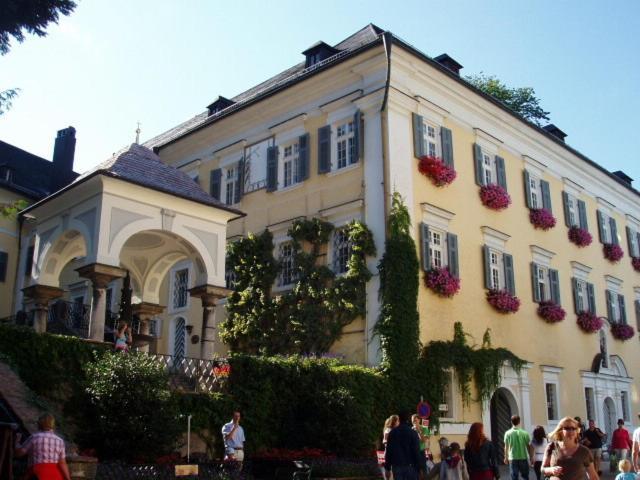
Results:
<point x="387" y="39"/>
<point x="15" y="282"/>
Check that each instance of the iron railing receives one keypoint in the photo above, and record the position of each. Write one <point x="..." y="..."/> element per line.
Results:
<point x="74" y="317"/>
<point x="194" y="374"/>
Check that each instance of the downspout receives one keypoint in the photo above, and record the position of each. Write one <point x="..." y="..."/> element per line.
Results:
<point x="387" y="39"/>
<point x="16" y="276"/>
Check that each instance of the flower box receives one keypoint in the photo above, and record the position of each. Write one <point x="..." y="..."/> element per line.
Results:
<point x="442" y="282"/>
<point x="622" y="331"/>
<point x="589" y="322"/>
<point x="551" y="312"/>
<point x="580" y="236"/>
<point x="503" y="301"/>
<point x="635" y="262"/>
<point x="612" y="252"/>
<point x="439" y="172"/>
<point x="494" y="197"/>
<point x="542" y="218"/>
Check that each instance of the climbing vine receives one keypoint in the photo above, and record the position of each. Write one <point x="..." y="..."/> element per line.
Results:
<point x="309" y="317"/>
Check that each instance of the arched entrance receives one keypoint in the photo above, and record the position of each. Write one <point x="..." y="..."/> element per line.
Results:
<point x="503" y="406"/>
<point x="609" y="416"/>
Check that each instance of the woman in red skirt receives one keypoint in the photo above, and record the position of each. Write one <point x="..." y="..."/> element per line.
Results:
<point x="46" y="455"/>
<point x="480" y="455"/>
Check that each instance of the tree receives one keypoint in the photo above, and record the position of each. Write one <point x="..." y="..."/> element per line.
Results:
<point x="521" y="100"/>
<point x="6" y="98"/>
<point x="10" y="210"/>
<point x="31" y="15"/>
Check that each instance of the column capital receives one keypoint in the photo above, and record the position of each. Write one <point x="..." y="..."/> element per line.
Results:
<point x="147" y="309"/>
<point x="42" y="294"/>
<point x="209" y="294"/>
<point x="101" y="274"/>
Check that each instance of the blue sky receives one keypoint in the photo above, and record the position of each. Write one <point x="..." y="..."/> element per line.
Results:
<point x="111" y="64"/>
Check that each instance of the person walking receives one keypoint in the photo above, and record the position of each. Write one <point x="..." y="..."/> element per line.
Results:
<point x="389" y="424"/>
<point x="635" y="449"/>
<point x="423" y="437"/>
<point x="517" y="450"/>
<point x="402" y="456"/>
<point x="480" y="455"/>
<point x="565" y="458"/>
<point x="453" y="467"/>
<point x="538" y="445"/>
<point x="621" y="441"/>
<point x="624" y="467"/>
<point x="233" y="436"/>
<point x="592" y="439"/>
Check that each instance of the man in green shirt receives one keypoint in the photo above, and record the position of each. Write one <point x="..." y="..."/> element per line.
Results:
<point x="518" y="452"/>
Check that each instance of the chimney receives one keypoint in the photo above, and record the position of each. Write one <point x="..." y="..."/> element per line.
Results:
<point x="626" y="179"/>
<point x="448" y="62"/>
<point x="555" y="131"/>
<point x="63" y="155"/>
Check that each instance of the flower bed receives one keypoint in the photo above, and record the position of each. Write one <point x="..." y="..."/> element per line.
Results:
<point x="580" y="236"/>
<point x="551" y="312"/>
<point x="589" y="322"/>
<point x="494" y="197"/>
<point x="622" y="331"/>
<point x="635" y="262"/>
<point x="439" y="172"/>
<point x="442" y="282"/>
<point x="612" y="252"/>
<point x="503" y="301"/>
<point x="542" y="218"/>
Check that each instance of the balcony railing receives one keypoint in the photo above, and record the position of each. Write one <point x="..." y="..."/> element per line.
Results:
<point x="70" y="318"/>
<point x="194" y="374"/>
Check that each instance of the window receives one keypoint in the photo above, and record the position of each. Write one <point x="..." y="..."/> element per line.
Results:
<point x="546" y="286"/>
<point x="624" y="403"/>
<point x="446" y="403"/>
<point x="487" y="169"/>
<point x="4" y="260"/>
<point x="582" y="302"/>
<point x="230" y="184"/>
<point x="543" y="283"/>
<point x="155" y="327"/>
<point x="604" y="348"/>
<point x="345" y="145"/>
<point x="606" y="232"/>
<point x="181" y="288"/>
<point x="572" y="211"/>
<point x="6" y="173"/>
<point x="341" y="250"/>
<point x="290" y="170"/>
<point x="552" y="401"/>
<point x="607" y="228"/>
<point x="431" y="139"/>
<point x="589" y="399"/>
<point x="230" y="276"/>
<point x="633" y="239"/>
<point x="616" y="311"/>
<point x="29" y="260"/>
<point x="286" y="257"/>
<point x="436" y="248"/>
<point x="536" y="194"/>
<point x="496" y="270"/>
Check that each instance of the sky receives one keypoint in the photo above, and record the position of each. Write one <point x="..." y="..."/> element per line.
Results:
<point x="112" y="64"/>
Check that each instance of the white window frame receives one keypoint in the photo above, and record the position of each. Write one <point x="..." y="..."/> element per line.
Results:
<point x="172" y="285"/>
<point x="606" y="227"/>
<point x="289" y="161"/>
<point x="552" y="403"/>
<point x="343" y="142"/>
<point x="551" y="376"/>
<point x="293" y="277"/>
<point x="583" y="296"/>
<point x="230" y="177"/>
<point x="635" y="247"/>
<point x="437" y="248"/>
<point x="449" y="395"/>
<point x="438" y="221"/>
<point x="535" y="192"/>
<point x="572" y="207"/>
<point x="496" y="267"/>
<point x="334" y="252"/>
<point x="544" y="284"/>
<point x="489" y="173"/>
<point x="431" y="138"/>
<point x="590" y="402"/>
<point x="624" y="406"/>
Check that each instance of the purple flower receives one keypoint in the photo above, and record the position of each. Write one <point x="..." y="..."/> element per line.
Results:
<point x="589" y="322"/>
<point x="542" y="218"/>
<point x="580" y="236"/>
<point x="494" y="197"/>
<point x="612" y="252"/>
<point x="635" y="262"/>
<point x="503" y="301"/>
<point x="622" y="331"/>
<point x="439" y="172"/>
<point x="442" y="282"/>
<point x="551" y="312"/>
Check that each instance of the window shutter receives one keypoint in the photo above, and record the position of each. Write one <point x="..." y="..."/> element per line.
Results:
<point x="592" y="298"/>
<point x="582" y="215"/>
<point x="537" y="297"/>
<point x="630" y="234"/>
<point x="424" y="242"/>
<point x="4" y="260"/>
<point x="272" y="168"/>
<point x="637" y="305"/>
<point x="565" y="206"/>
<point x="446" y="139"/>
<point x="574" y="288"/>
<point x="546" y="195"/>
<point x="418" y="136"/>
<point x="452" y="254"/>
<point x="638" y="239"/>
<point x="477" y="158"/>
<point x="215" y="182"/>
<point x="554" y="284"/>
<point x="240" y="183"/>
<point x="324" y="149"/>
<point x="623" y="310"/>
<point x="600" y="225"/>
<point x="487" y="267"/>
<point x="509" y="278"/>
<point x="303" y="157"/>
<point x="358" y="136"/>
<point x="527" y="188"/>
<point x="614" y="231"/>
<point x="610" y="300"/>
<point x="501" y="173"/>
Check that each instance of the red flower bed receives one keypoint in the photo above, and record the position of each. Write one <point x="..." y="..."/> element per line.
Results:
<point x="542" y="218"/>
<point x="439" y="172"/>
<point x="621" y="331"/>
<point x="612" y="252"/>
<point x="635" y="261"/>
<point x="494" y="197"/>
<point x="503" y="301"/>
<point x="551" y="312"/>
<point x="589" y="322"/>
<point x="580" y="236"/>
<point x="442" y="282"/>
<point x="290" y="455"/>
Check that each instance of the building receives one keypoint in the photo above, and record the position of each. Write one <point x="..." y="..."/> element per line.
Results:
<point x="335" y="135"/>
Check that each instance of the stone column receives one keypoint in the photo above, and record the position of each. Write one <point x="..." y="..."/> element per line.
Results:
<point x="146" y="311"/>
<point x="41" y="295"/>
<point x="208" y="295"/>
<point x="100" y="275"/>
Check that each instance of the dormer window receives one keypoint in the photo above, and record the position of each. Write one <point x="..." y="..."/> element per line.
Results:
<point x="317" y="53"/>
<point x="6" y="173"/>
<point x="219" y="104"/>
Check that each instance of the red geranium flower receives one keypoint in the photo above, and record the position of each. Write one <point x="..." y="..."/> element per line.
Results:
<point x="494" y="197"/>
<point x="580" y="236"/>
<point x="551" y="312"/>
<point x="503" y="301"/>
<point x="635" y="262"/>
<point x="589" y="322"/>
<point x="622" y="331"/>
<point x="612" y="252"/>
<point x="542" y="218"/>
<point x="439" y="172"/>
<point x="442" y="282"/>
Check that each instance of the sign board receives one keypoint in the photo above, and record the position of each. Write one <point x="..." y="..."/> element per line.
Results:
<point x="423" y="410"/>
<point x="443" y="407"/>
<point x="184" y="470"/>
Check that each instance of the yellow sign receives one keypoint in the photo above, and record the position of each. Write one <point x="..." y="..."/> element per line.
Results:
<point x="183" y="470"/>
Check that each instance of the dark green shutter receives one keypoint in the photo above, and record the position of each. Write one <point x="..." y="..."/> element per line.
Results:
<point x="272" y="169"/>
<point x="239" y="191"/>
<point x="358" y="137"/>
<point x="4" y="260"/>
<point x="303" y="157"/>
<point x="610" y="300"/>
<point x="565" y="206"/>
<point x="501" y="173"/>
<point x="630" y="234"/>
<point x="638" y="240"/>
<point x="446" y="139"/>
<point x="487" y="267"/>
<point x="623" y="309"/>
<point x="324" y="149"/>
<point x="537" y="295"/>
<point x="554" y="286"/>
<point x="546" y="195"/>
<point x="477" y="161"/>
<point x="452" y="254"/>
<point x="591" y="298"/>
<point x="527" y="188"/>
<point x="424" y="243"/>
<point x="614" y="231"/>
<point x="418" y="136"/>
<point x="509" y="277"/>
<point x="215" y="183"/>
<point x="574" y="288"/>
<point x="637" y="305"/>
<point x="582" y="215"/>
<point x="600" y="225"/>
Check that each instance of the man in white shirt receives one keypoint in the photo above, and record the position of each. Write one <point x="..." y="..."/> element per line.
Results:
<point x="635" y="450"/>
<point x="233" y="436"/>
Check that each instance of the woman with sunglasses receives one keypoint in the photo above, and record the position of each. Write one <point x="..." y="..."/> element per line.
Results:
<point x="565" y="458"/>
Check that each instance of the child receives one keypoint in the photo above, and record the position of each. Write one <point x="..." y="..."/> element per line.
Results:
<point x="625" y="471"/>
<point x="453" y="466"/>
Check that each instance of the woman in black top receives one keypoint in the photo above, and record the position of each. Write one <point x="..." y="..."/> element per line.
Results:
<point x="480" y="455"/>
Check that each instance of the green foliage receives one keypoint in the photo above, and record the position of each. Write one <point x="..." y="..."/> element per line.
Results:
<point x="521" y="100"/>
<point x="11" y="210"/>
<point x="6" y="99"/>
<point x="310" y="317"/>
<point x="132" y="413"/>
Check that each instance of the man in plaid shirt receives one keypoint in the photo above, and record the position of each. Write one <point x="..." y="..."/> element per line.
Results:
<point x="45" y="450"/>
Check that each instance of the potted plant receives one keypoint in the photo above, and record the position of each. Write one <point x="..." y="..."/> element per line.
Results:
<point x="503" y="301"/>
<point x="635" y="262"/>
<point x="580" y="236"/>
<point x="612" y="252"/>
<point x="442" y="282"/>
<point x="494" y="197"/>
<point x="551" y="312"/>
<point x="589" y="322"/>
<point x="542" y="218"/>
<point x="435" y="169"/>
<point x="622" y="331"/>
